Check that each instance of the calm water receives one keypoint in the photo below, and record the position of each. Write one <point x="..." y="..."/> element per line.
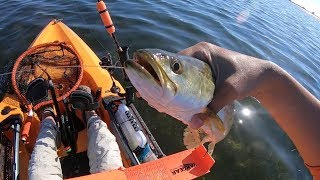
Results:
<point x="276" y="30"/>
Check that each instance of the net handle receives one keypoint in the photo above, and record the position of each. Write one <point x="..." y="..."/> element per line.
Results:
<point x="32" y="50"/>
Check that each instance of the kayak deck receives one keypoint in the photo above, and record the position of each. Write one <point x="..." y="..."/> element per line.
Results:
<point x="94" y="77"/>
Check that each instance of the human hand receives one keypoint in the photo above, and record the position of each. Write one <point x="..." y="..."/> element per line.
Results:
<point x="288" y="102"/>
<point x="236" y="75"/>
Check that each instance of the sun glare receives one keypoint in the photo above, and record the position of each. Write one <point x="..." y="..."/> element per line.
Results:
<point x="246" y="112"/>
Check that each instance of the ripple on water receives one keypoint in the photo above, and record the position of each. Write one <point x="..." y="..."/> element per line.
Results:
<point x="274" y="30"/>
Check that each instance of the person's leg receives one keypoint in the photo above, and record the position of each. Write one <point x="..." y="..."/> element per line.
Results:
<point x="103" y="150"/>
<point x="44" y="162"/>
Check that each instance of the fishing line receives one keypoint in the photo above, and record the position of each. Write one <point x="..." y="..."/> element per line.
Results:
<point x="61" y="67"/>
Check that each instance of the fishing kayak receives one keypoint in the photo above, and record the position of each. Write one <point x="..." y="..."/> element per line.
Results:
<point x="17" y="144"/>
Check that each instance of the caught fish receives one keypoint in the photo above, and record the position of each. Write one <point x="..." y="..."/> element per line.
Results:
<point x="180" y="86"/>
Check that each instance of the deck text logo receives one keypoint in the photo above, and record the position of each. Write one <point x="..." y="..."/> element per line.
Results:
<point x="184" y="167"/>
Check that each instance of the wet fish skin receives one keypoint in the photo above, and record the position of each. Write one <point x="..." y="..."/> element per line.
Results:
<point x="178" y="85"/>
<point x="180" y="94"/>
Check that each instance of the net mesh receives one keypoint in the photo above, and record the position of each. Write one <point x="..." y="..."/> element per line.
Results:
<point x="53" y="60"/>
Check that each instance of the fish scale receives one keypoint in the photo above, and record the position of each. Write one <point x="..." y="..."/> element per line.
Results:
<point x="186" y="88"/>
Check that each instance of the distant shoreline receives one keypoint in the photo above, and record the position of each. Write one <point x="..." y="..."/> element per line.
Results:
<point x="310" y="12"/>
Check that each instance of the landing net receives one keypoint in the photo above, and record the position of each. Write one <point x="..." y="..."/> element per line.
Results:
<point x="57" y="60"/>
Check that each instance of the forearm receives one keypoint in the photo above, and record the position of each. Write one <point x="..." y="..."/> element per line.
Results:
<point x="295" y="110"/>
<point x="237" y="76"/>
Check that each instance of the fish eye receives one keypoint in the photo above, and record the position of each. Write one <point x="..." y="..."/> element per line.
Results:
<point x="176" y="67"/>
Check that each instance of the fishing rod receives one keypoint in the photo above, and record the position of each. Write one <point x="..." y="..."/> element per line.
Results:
<point x="61" y="123"/>
<point x="61" y="67"/>
<point x="141" y="153"/>
<point x="107" y="21"/>
<point x="110" y="28"/>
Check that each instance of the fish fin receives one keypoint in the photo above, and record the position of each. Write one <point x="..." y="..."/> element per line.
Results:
<point x="212" y="120"/>
<point x="194" y="137"/>
<point x="211" y="148"/>
<point x="191" y="138"/>
<point x="211" y="145"/>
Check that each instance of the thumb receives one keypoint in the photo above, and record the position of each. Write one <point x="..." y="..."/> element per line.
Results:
<point x="199" y="51"/>
<point x="196" y="122"/>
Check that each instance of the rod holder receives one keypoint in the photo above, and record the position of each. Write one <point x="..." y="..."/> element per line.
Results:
<point x="124" y="56"/>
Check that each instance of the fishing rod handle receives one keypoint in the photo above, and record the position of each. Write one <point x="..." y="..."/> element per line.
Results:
<point x="27" y="127"/>
<point x="106" y="18"/>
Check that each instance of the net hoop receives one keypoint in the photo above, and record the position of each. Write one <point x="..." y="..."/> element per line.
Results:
<point x="33" y="50"/>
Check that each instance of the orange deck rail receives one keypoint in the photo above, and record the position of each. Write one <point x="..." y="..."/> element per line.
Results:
<point x="187" y="164"/>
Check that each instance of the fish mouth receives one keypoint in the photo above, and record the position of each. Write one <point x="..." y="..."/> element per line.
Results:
<point x="145" y="62"/>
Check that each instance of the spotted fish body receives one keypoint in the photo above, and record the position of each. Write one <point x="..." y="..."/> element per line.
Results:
<point x="180" y="86"/>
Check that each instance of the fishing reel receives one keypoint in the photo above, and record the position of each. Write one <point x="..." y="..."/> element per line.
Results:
<point x="106" y="61"/>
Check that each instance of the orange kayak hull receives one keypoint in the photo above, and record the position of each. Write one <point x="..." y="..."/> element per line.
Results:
<point x="187" y="164"/>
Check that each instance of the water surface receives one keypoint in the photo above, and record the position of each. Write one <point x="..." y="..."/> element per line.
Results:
<point x="277" y="31"/>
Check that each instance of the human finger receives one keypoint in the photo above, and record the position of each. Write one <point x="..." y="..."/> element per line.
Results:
<point x="199" y="51"/>
<point x="195" y="122"/>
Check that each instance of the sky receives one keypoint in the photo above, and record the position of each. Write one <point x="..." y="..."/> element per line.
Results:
<point x="310" y="5"/>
